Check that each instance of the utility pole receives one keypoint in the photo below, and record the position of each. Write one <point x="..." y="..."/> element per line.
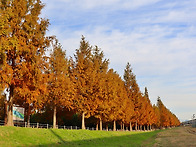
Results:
<point x="193" y="122"/>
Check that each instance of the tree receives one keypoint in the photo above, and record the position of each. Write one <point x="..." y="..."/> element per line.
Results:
<point x="83" y="74"/>
<point x="23" y="44"/>
<point x="164" y="115"/>
<point x="114" y="103"/>
<point x="60" y="87"/>
<point x="150" y="114"/>
<point x="167" y="119"/>
<point x="128" y="112"/>
<point x="157" y="122"/>
<point x="133" y="92"/>
<point x="100" y="67"/>
<point x="142" y="113"/>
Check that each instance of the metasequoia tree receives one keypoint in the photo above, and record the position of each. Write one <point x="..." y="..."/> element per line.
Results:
<point x="84" y="76"/>
<point x="103" y="110"/>
<point x="114" y="99"/>
<point x="23" y="44"/>
<point x="166" y="117"/>
<point x="157" y="122"/>
<point x="100" y="67"/>
<point x="163" y="113"/>
<point x="133" y="92"/>
<point x="150" y="114"/>
<point x="128" y="112"/>
<point x="120" y="96"/>
<point x="109" y="102"/>
<point x="60" y="87"/>
<point x="127" y="79"/>
<point x="142" y="115"/>
<point x="32" y="84"/>
<point x="125" y="109"/>
<point x="175" y="121"/>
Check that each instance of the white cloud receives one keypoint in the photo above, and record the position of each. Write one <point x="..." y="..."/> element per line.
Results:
<point x="89" y="4"/>
<point x="135" y="4"/>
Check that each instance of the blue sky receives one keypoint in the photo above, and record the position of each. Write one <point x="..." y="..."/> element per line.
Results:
<point x="158" y="38"/>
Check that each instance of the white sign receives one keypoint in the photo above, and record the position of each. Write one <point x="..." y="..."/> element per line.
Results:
<point x="18" y="113"/>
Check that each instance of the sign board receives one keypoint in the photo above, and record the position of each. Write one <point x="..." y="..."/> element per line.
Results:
<point x="18" y="113"/>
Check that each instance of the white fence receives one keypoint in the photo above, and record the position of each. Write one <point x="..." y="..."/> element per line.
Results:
<point x="39" y="125"/>
<point x="48" y="126"/>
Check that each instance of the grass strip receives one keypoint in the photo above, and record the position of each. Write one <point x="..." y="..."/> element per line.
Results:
<point x="16" y="136"/>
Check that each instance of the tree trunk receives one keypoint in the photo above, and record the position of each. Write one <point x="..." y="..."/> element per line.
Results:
<point x="10" y="107"/>
<point x="97" y="126"/>
<point x="130" y="127"/>
<point x="54" y="118"/>
<point x="10" y="116"/>
<point x="140" y="127"/>
<point x="83" y="121"/>
<point x="5" y="112"/>
<point x="136" y="125"/>
<point x="100" y="124"/>
<point x="153" y="127"/>
<point x="106" y="127"/>
<point x="114" y="128"/>
<point x="28" y="116"/>
<point x="123" y="125"/>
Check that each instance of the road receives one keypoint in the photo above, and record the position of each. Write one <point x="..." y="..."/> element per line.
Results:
<point x="177" y="137"/>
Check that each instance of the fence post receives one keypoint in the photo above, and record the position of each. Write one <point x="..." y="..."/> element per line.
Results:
<point x="37" y="125"/>
<point x="47" y="126"/>
<point x="76" y="127"/>
<point x="64" y="127"/>
<point x="71" y="127"/>
<point x="25" y="124"/>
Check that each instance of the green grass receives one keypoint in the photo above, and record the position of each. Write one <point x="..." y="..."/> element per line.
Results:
<point x="15" y="136"/>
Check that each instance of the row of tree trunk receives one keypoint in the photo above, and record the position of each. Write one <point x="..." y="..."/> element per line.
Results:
<point x="99" y="125"/>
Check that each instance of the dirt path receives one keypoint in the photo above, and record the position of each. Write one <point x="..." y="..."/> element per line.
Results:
<point x="177" y="137"/>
